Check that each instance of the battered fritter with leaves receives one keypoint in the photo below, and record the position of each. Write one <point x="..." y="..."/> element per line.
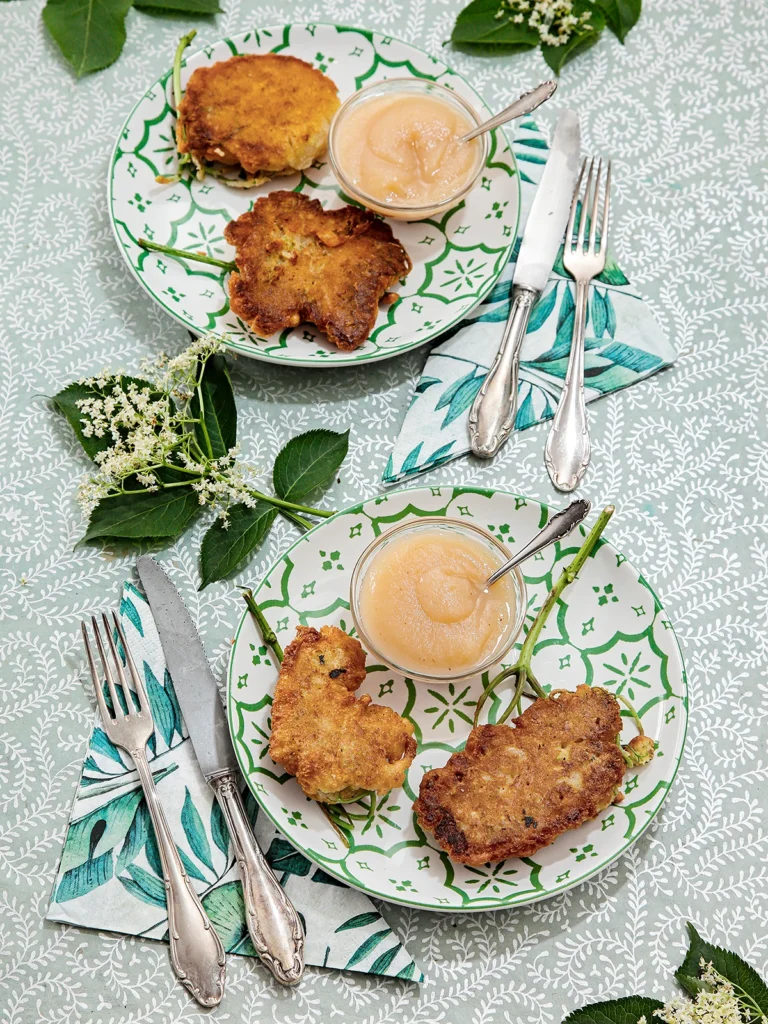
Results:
<point x="300" y="263"/>
<point x="336" y="745"/>
<point x="267" y="113"/>
<point x="516" y="788"/>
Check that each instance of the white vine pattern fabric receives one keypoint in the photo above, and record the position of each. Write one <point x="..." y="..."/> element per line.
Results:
<point x="684" y="456"/>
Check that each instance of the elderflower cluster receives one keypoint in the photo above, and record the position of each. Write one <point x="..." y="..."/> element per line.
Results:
<point x="151" y="429"/>
<point x="554" y="20"/>
<point x="715" y="1004"/>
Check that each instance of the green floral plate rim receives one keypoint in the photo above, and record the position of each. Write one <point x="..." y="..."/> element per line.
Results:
<point x="610" y="629"/>
<point x="456" y="258"/>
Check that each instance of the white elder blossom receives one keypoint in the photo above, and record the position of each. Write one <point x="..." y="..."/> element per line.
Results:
<point x="151" y="428"/>
<point x="554" y="20"/>
<point x="718" y="1003"/>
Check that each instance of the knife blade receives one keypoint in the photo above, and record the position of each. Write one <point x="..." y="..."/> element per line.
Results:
<point x="273" y="923"/>
<point x="492" y="416"/>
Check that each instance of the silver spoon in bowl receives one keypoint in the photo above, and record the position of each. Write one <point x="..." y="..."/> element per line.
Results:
<point x="524" y="105"/>
<point x="559" y="526"/>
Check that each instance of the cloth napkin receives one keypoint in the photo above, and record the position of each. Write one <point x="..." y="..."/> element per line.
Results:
<point x="110" y="878"/>
<point x="624" y="344"/>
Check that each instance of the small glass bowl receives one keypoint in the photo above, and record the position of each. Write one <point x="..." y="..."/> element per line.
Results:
<point x="438" y="523"/>
<point x="418" y="87"/>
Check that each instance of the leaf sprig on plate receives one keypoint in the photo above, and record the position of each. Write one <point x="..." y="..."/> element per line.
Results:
<point x="724" y="989"/>
<point x="91" y="33"/>
<point x="563" y="28"/>
<point x="166" y="447"/>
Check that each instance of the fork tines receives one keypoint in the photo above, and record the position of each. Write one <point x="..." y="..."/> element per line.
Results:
<point x="589" y="199"/>
<point x="127" y="707"/>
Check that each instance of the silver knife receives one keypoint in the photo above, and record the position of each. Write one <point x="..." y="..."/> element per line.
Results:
<point x="492" y="415"/>
<point x="273" y="923"/>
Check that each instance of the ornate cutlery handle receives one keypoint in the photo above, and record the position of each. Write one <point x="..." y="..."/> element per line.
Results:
<point x="197" y="955"/>
<point x="273" y="923"/>
<point x="568" y="449"/>
<point x="493" y="411"/>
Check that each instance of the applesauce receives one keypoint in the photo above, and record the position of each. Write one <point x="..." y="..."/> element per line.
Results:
<point x="395" y="146"/>
<point x="405" y="149"/>
<point x="421" y="604"/>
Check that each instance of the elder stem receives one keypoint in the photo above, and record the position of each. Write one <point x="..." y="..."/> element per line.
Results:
<point x="522" y="667"/>
<point x="184" y="255"/>
<point x="268" y="634"/>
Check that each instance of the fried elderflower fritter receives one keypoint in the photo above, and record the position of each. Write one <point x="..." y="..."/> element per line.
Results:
<point x="267" y="113"/>
<point x="300" y="263"/>
<point x="335" y="744"/>
<point x="516" y="788"/>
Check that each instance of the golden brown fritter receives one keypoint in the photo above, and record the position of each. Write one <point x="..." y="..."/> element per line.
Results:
<point x="267" y="113"/>
<point x="335" y="744"/>
<point x="298" y="262"/>
<point x="515" y="789"/>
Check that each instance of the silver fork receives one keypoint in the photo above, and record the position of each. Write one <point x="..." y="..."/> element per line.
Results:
<point x="197" y="955"/>
<point x="567" y="451"/>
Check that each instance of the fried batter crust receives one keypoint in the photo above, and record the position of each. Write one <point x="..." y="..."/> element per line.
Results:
<point x="263" y="112"/>
<point x="515" y="789"/>
<point x="299" y="263"/>
<point x="334" y="743"/>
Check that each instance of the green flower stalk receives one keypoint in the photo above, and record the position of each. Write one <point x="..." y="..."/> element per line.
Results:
<point x="641" y="748"/>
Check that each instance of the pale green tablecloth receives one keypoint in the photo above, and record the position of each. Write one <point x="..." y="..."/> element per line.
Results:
<point x="681" y="111"/>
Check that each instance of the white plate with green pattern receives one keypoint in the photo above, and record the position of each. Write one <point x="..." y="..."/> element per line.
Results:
<point x="456" y="258"/>
<point x="609" y="630"/>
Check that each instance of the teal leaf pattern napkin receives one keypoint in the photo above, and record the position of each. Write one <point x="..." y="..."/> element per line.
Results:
<point x="624" y="344"/>
<point x="110" y="877"/>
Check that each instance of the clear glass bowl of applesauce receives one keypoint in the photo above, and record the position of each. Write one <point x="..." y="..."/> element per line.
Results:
<point x="394" y="148"/>
<point x="419" y="602"/>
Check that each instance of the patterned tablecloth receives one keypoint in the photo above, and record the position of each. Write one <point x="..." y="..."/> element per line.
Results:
<point x="684" y="457"/>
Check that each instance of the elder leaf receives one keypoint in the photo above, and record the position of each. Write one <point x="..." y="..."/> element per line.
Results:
<point x="749" y="987"/>
<point x="308" y="461"/>
<point x="213" y="404"/>
<point x="89" y="33"/>
<point x="478" y="30"/>
<point x="178" y="6"/>
<point x="587" y="35"/>
<point x="616" y="1011"/>
<point x="621" y="15"/>
<point x="223" y="550"/>
<point x="141" y="515"/>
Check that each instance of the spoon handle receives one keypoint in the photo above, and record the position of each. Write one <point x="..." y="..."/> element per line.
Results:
<point x="559" y="526"/>
<point x="524" y="105"/>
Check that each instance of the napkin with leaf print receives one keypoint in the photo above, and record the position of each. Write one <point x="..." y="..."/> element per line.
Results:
<point x="624" y="344"/>
<point x="110" y="877"/>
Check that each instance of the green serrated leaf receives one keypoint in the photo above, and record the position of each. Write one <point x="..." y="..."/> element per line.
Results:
<point x="177" y="6"/>
<point x="307" y="462"/>
<point x="478" y="29"/>
<point x="140" y="515"/>
<point x="223" y="550"/>
<point x="214" y="405"/>
<point x="692" y="985"/>
<point x="66" y="402"/>
<point x="588" y="34"/>
<point x="616" y="1011"/>
<point x="621" y="15"/>
<point x="89" y="33"/>
<point x="748" y="985"/>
